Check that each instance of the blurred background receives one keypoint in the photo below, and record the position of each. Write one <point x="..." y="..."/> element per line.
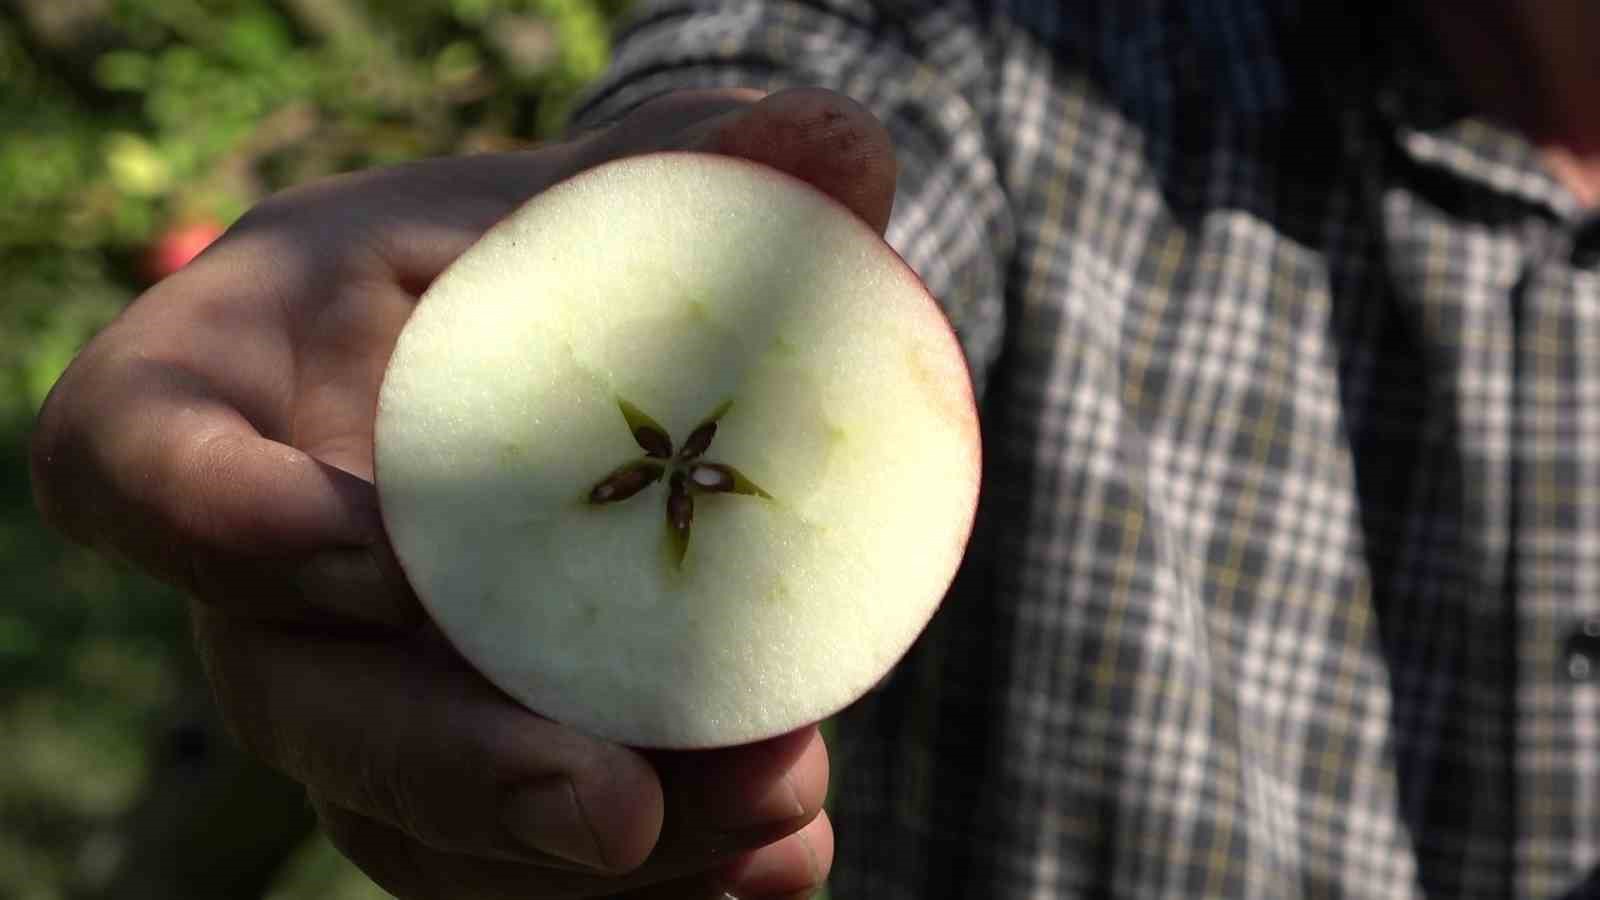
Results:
<point x="131" y="132"/>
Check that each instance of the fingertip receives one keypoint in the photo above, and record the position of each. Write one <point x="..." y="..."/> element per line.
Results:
<point x="821" y="137"/>
<point x="810" y="772"/>
<point x="621" y="798"/>
<point x="611" y="800"/>
<point x="816" y="840"/>
<point x="796" y="866"/>
<point x="745" y="796"/>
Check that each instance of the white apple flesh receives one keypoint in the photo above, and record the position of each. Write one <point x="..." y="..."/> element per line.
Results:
<point x="687" y="288"/>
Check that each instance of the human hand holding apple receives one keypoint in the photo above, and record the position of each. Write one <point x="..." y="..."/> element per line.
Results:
<point x="219" y="434"/>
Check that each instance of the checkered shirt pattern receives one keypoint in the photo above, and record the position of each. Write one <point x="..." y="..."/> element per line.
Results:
<point x="1290" y="382"/>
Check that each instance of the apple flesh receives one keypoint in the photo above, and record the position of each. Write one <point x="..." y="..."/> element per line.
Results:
<point x="680" y="454"/>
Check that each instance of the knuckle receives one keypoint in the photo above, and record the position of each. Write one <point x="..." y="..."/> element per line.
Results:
<point x="46" y="452"/>
<point x="404" y="801"/>
<point x="235" y="690"/>
<point x="395" y="790"/>
<point x="61" y="452"/>
<point x="269" y="214"/>
<point x="390" y="862"/>
<point x="199" y="464"/>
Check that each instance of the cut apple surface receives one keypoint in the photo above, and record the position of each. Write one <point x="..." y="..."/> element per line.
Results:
<point x="680" y="454"/>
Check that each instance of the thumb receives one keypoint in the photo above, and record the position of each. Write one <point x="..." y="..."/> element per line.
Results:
<point x="821" y="137"/>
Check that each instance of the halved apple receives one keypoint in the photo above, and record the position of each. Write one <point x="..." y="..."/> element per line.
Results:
<point x="680" y="454"/>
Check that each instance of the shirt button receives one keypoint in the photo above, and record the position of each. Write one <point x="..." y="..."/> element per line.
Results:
<point x="1583" y="650"/>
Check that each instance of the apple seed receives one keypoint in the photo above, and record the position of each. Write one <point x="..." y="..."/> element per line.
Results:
<point x="649" y="434"/>
<point x="626" y="481"/>
<point x="680" y="513"/>
<point x="699" y="440"/>
<point x="687" y="475"/>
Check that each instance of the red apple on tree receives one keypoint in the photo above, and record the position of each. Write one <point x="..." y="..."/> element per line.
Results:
<point x="176" y="246"/>
<point x="680" y="454"/>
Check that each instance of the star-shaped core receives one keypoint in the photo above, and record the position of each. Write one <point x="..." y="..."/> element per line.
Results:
<point x="688" y="474"/>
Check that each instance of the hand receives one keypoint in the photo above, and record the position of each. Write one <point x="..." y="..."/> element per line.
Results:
<point x="219" y="435"/>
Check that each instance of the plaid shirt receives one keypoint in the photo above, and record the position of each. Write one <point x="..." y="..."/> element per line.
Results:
<point x="1290" y="375"/>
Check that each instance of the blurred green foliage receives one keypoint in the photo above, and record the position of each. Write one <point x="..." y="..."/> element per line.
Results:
<point x="120" y="120"/>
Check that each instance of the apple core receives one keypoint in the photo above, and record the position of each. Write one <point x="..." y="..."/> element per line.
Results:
<point x="689" y="475"/>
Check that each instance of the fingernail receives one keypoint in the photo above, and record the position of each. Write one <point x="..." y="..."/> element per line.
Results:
<point x="546" y="816"/>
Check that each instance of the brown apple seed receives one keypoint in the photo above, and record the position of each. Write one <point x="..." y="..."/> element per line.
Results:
<point x="680" y="505"/>
<point x="680" y="514"/>
<point x="699" y="440"/>
<point x="626" y="481"/>
<point x="687" y="478"/>
<point x="649" y="434"/>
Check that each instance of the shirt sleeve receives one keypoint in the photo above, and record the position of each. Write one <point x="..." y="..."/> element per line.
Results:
<point x="921" y="67"/>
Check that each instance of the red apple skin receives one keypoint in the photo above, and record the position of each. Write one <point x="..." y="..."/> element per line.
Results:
<point x="176" y="246"/>
<point x="962" y="398"/>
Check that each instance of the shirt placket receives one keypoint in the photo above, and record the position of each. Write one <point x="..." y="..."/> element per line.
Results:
<point x="1555" y="571"/>
<point x="1548" y="444"/>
